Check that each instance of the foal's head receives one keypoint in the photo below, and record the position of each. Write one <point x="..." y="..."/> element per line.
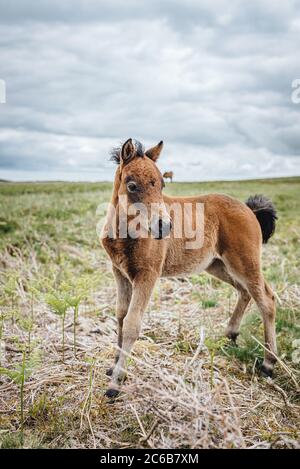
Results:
<point x="139" y="179"/>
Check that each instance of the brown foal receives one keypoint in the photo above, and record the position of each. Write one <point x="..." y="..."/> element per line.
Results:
<point x="231" y="238"/>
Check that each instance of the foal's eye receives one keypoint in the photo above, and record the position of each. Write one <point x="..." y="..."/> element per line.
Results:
<point x="131" y="186"/>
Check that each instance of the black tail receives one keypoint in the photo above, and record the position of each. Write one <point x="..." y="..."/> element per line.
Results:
<point x="265" y="213"/>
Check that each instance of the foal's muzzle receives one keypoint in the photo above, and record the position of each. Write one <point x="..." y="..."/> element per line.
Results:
<point x="161" y="228"/>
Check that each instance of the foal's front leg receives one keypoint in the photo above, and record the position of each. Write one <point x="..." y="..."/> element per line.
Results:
<point x="124" y="292"/>
<point x="141" y="291"/>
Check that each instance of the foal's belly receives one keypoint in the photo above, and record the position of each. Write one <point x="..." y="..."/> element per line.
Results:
<point x="193" y="264"/>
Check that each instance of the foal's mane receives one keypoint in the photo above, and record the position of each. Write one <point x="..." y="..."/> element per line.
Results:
<point x="115" y="153"/>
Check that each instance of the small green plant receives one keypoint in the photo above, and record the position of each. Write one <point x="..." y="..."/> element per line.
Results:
<point x="201" y="279"/>
<point x="182" y="346"/>
<point x="19" y="375"/>
<point x="59" y="306"/>
<point x="27" y="324"/>
<point x="75" y="292"/>
<point x="208" y="303"/>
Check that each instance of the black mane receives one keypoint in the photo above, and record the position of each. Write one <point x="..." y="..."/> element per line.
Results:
<point x="115" y="153"/>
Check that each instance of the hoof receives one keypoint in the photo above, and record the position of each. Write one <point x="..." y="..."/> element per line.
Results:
<point x="109" y="372"/>
<point x="232" y="336"/>
<point x="112" y="393"/>
<point x="266" y="372"/>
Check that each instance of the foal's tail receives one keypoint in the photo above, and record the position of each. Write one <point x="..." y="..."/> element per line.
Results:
<point x="265" y="213"/>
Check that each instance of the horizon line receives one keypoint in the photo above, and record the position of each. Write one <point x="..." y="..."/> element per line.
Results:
<point x="105" y="181"/>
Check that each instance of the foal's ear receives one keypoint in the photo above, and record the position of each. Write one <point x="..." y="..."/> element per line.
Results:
<point x="128" y="151"/>
<point x="154" y="152"/>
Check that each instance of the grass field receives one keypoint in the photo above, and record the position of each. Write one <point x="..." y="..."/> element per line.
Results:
<point x="187" y="387"/>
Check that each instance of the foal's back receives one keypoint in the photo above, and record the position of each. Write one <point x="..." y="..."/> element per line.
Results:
<point x="227" y="225"/>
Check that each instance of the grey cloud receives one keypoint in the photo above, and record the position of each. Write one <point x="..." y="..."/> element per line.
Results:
<point x="207" y="78"/>
<point x="259" y="16"/>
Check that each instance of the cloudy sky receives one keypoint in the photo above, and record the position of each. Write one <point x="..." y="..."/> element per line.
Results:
<point x="211" y="78"/>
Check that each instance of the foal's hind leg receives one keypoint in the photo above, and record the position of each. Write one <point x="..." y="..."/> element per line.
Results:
<point x="124" y="292"/>
<point x="265" y="300"/>
<point x="218" y="269"/>
<point x="247" y="270"/>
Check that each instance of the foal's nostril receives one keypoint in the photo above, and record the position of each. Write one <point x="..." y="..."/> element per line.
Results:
<point x="164" y="228"/>
<point x="160" y="227"/>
